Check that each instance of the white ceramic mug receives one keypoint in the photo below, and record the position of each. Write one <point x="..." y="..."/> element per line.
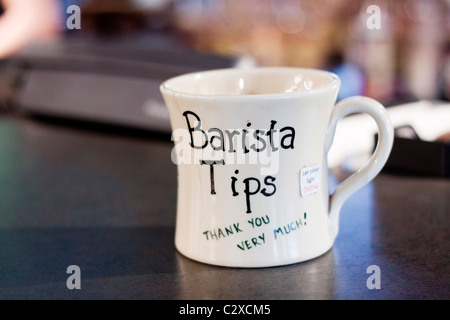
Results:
<point x="251" y="150"/>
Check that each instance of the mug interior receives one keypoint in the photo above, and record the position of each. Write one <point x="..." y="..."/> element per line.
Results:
<point x="249" y="82"/>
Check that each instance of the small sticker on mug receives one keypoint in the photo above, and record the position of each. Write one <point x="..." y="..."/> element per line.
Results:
<point x="309" y="180"/>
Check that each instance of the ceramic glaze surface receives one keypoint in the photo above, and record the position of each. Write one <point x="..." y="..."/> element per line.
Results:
<point x="251" y="148"/>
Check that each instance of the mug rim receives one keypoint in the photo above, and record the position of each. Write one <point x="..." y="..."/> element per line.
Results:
<point x="167" y="87"/>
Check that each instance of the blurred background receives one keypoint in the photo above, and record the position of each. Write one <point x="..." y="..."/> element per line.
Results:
<point x="109" y="67"/>
<point x="408" y="57"/>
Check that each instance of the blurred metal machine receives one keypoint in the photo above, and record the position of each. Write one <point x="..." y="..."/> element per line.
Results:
<point x="113" y="81"/>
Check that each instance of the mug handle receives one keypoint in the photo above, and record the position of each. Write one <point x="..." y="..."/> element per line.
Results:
<point x="364" y="175"/>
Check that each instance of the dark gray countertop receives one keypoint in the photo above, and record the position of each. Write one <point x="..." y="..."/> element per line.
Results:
<point x="106" y="202"/>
